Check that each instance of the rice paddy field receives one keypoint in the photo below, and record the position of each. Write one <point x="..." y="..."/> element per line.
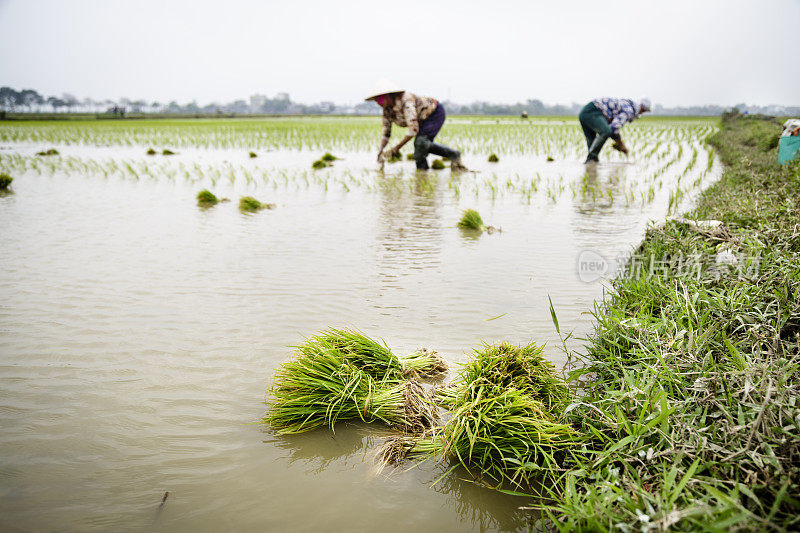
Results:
<point x="140" y="327"/>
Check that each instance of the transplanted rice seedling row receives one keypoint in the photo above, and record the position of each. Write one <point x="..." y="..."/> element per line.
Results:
<point x="546" y="138"/>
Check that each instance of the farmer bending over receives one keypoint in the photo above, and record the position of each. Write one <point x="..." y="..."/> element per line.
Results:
<point x="604" y="117"/>
<point x="422" y="116"/>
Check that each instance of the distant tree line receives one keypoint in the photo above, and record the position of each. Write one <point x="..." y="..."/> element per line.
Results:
<point x="30" y="101"/>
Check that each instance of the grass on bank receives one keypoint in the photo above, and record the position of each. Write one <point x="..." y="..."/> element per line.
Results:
<point x="692" y="392"/>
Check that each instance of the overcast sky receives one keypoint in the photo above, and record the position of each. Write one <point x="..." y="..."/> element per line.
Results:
<point x="677" y="52"/>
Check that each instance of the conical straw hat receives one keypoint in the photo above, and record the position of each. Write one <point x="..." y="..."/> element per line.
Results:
<point x="383" y="86"/>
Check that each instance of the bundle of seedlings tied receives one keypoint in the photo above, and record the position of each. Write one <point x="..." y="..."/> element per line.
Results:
<point x="324" y="161"/>
<point x="471" y="220"/>
<point x="5" y="181"/>
<point x="506" y="421"/>
<point x="342" y="374"/>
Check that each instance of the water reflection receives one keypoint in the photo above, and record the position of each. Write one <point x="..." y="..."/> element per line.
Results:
<point x="411" y="229"/>
<point x="321" y="449"/>
<point x="485" y="508"/>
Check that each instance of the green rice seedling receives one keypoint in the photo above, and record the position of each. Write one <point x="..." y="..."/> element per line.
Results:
<point x="343" y="374"/>
<point x="167" y="151"/>
<point x="437" y="164"/>
<point x="395" y="157"/>
<point x="505" y="435"/>
<point x="520" y="367"/>
<point x="49" y="151"/>
<point x="319" y="163"/>
<point x="253" y="155"/>
<point x="151" y="151"/>
<point x="550" y="159"/>
<point x="425" y="364"/>
<point x="409" y="157"/>
<point x="5" y="181"/>
<point x="250" y="204"/>
<point x="470" y="219"/>
<point x="367" y="354"/>
<point x="493" y="158"/>
<point x="328" y="157"/>
<point x="206" y="198"/>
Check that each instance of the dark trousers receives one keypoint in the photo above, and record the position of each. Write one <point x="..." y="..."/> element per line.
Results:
<point x="423" y="142"/>
<point x="595" y="129"/>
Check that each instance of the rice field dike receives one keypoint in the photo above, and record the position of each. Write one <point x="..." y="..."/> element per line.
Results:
<point x="690" y="386"/>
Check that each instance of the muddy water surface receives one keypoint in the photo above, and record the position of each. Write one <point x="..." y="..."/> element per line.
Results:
<point x="138" y="333"/>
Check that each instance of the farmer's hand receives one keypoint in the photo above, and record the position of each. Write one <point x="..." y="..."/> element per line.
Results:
<point x="393" y="152"/>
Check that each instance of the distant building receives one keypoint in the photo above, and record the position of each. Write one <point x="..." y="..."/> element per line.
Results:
<point x="257" y="102"/>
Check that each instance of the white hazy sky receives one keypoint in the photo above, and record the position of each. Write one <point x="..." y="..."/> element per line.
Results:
<point x="678" y="52"/>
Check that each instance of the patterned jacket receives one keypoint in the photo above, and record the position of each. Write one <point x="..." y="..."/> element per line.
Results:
<point x="407" y="111"/>
<point x="618" y="112"/>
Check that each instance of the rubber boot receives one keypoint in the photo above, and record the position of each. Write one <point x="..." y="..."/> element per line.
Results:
<point x="594" y="149"/>
<point x="422" y="146"/>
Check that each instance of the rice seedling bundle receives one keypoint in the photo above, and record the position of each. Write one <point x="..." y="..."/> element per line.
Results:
<point x="493" y="158"/>
<point x="206" y="198"/>
<point x="520" y="367"/>
<point x="505" y="421"/>
<point x="504" y="434"/>
<point x="470" y="219"/>
<point x="5" y="181"/>
<point x="345" y="375"/>
<point x="437" y="164"/>
<point x="250" y="204"/>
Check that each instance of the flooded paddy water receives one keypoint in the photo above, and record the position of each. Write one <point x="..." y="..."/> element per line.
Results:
<point x="139" y="332"/>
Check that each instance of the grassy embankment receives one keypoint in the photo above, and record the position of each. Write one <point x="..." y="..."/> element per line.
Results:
<point x="692" y="389"/>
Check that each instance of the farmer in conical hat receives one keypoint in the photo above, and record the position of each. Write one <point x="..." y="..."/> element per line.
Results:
<point x="604" y="117"/>
<point x="423" y="116"/>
